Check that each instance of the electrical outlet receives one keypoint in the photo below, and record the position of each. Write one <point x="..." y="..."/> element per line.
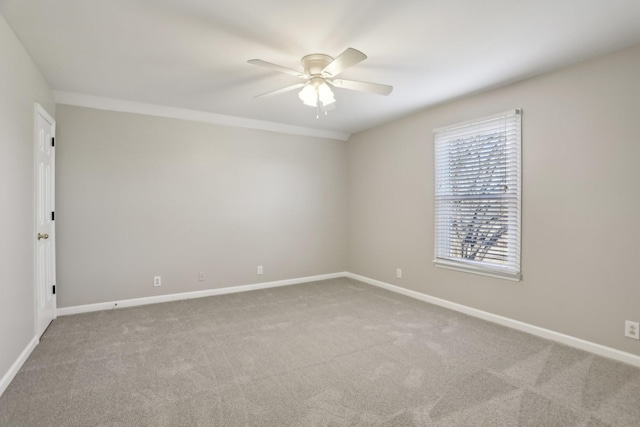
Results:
<point x="632" y="330"/>
<point x="157" y="281"/>
<point x="399" y="273"/>
<point x="201" y="276"/>
<point x="259" y="269"/>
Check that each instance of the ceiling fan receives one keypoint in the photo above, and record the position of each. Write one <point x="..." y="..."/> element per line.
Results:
<point x="320" y="71"/>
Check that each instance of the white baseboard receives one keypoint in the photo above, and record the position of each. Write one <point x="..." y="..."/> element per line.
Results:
<point x="189" y="295"/>
<point x="581" y="344"/>
<point x="13" y="370"/>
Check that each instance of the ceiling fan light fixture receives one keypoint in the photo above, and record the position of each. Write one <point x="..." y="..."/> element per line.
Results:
<point x="317" y="92"/>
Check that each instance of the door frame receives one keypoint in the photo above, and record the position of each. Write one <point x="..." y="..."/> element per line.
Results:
<point x="40" y="111"/>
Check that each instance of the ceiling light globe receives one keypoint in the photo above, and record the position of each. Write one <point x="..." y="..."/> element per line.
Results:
<point x="325" y="94"/>
<point x="309" y="95"/>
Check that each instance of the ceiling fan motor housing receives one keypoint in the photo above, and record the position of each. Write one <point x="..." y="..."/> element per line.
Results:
<point x="314" y="64"/>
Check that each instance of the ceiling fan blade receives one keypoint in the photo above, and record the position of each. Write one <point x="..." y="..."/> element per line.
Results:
<point x="283" y="90"/>
<point x="346" y="59"/>
<point x="276" y="67"/>
<point x="362" y="86"/>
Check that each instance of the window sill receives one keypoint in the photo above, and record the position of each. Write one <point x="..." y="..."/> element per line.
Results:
<point x="483" y="271"/>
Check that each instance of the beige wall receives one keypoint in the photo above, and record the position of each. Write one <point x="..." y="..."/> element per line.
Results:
<point x="21" y="85"/>
<point x="581" y="202"/>
<point x="139" y="196"/>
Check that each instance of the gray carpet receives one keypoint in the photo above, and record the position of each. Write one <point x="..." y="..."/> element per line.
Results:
<point x="331" y="353"/>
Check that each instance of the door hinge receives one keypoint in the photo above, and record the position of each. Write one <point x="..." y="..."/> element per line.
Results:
<point x="53" y="141"/>
<point x="53" y="216"/>
<point x="54" y="289"/>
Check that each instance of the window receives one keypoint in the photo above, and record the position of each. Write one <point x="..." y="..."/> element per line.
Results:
<point x="477" y="196"/>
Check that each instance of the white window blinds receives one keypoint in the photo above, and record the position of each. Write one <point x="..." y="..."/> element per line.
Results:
<point x="477" y="195"/>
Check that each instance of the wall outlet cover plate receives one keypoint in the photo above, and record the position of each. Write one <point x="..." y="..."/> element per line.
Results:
<point x="632" y="329"/>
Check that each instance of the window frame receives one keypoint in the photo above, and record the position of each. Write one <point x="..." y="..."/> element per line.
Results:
<point x="513" y="168"/>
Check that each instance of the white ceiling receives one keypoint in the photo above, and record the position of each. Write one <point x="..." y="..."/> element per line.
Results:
<point x="193" y="54"/>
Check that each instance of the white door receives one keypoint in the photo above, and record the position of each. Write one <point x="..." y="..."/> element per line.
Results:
<point x="45" y="237"/>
